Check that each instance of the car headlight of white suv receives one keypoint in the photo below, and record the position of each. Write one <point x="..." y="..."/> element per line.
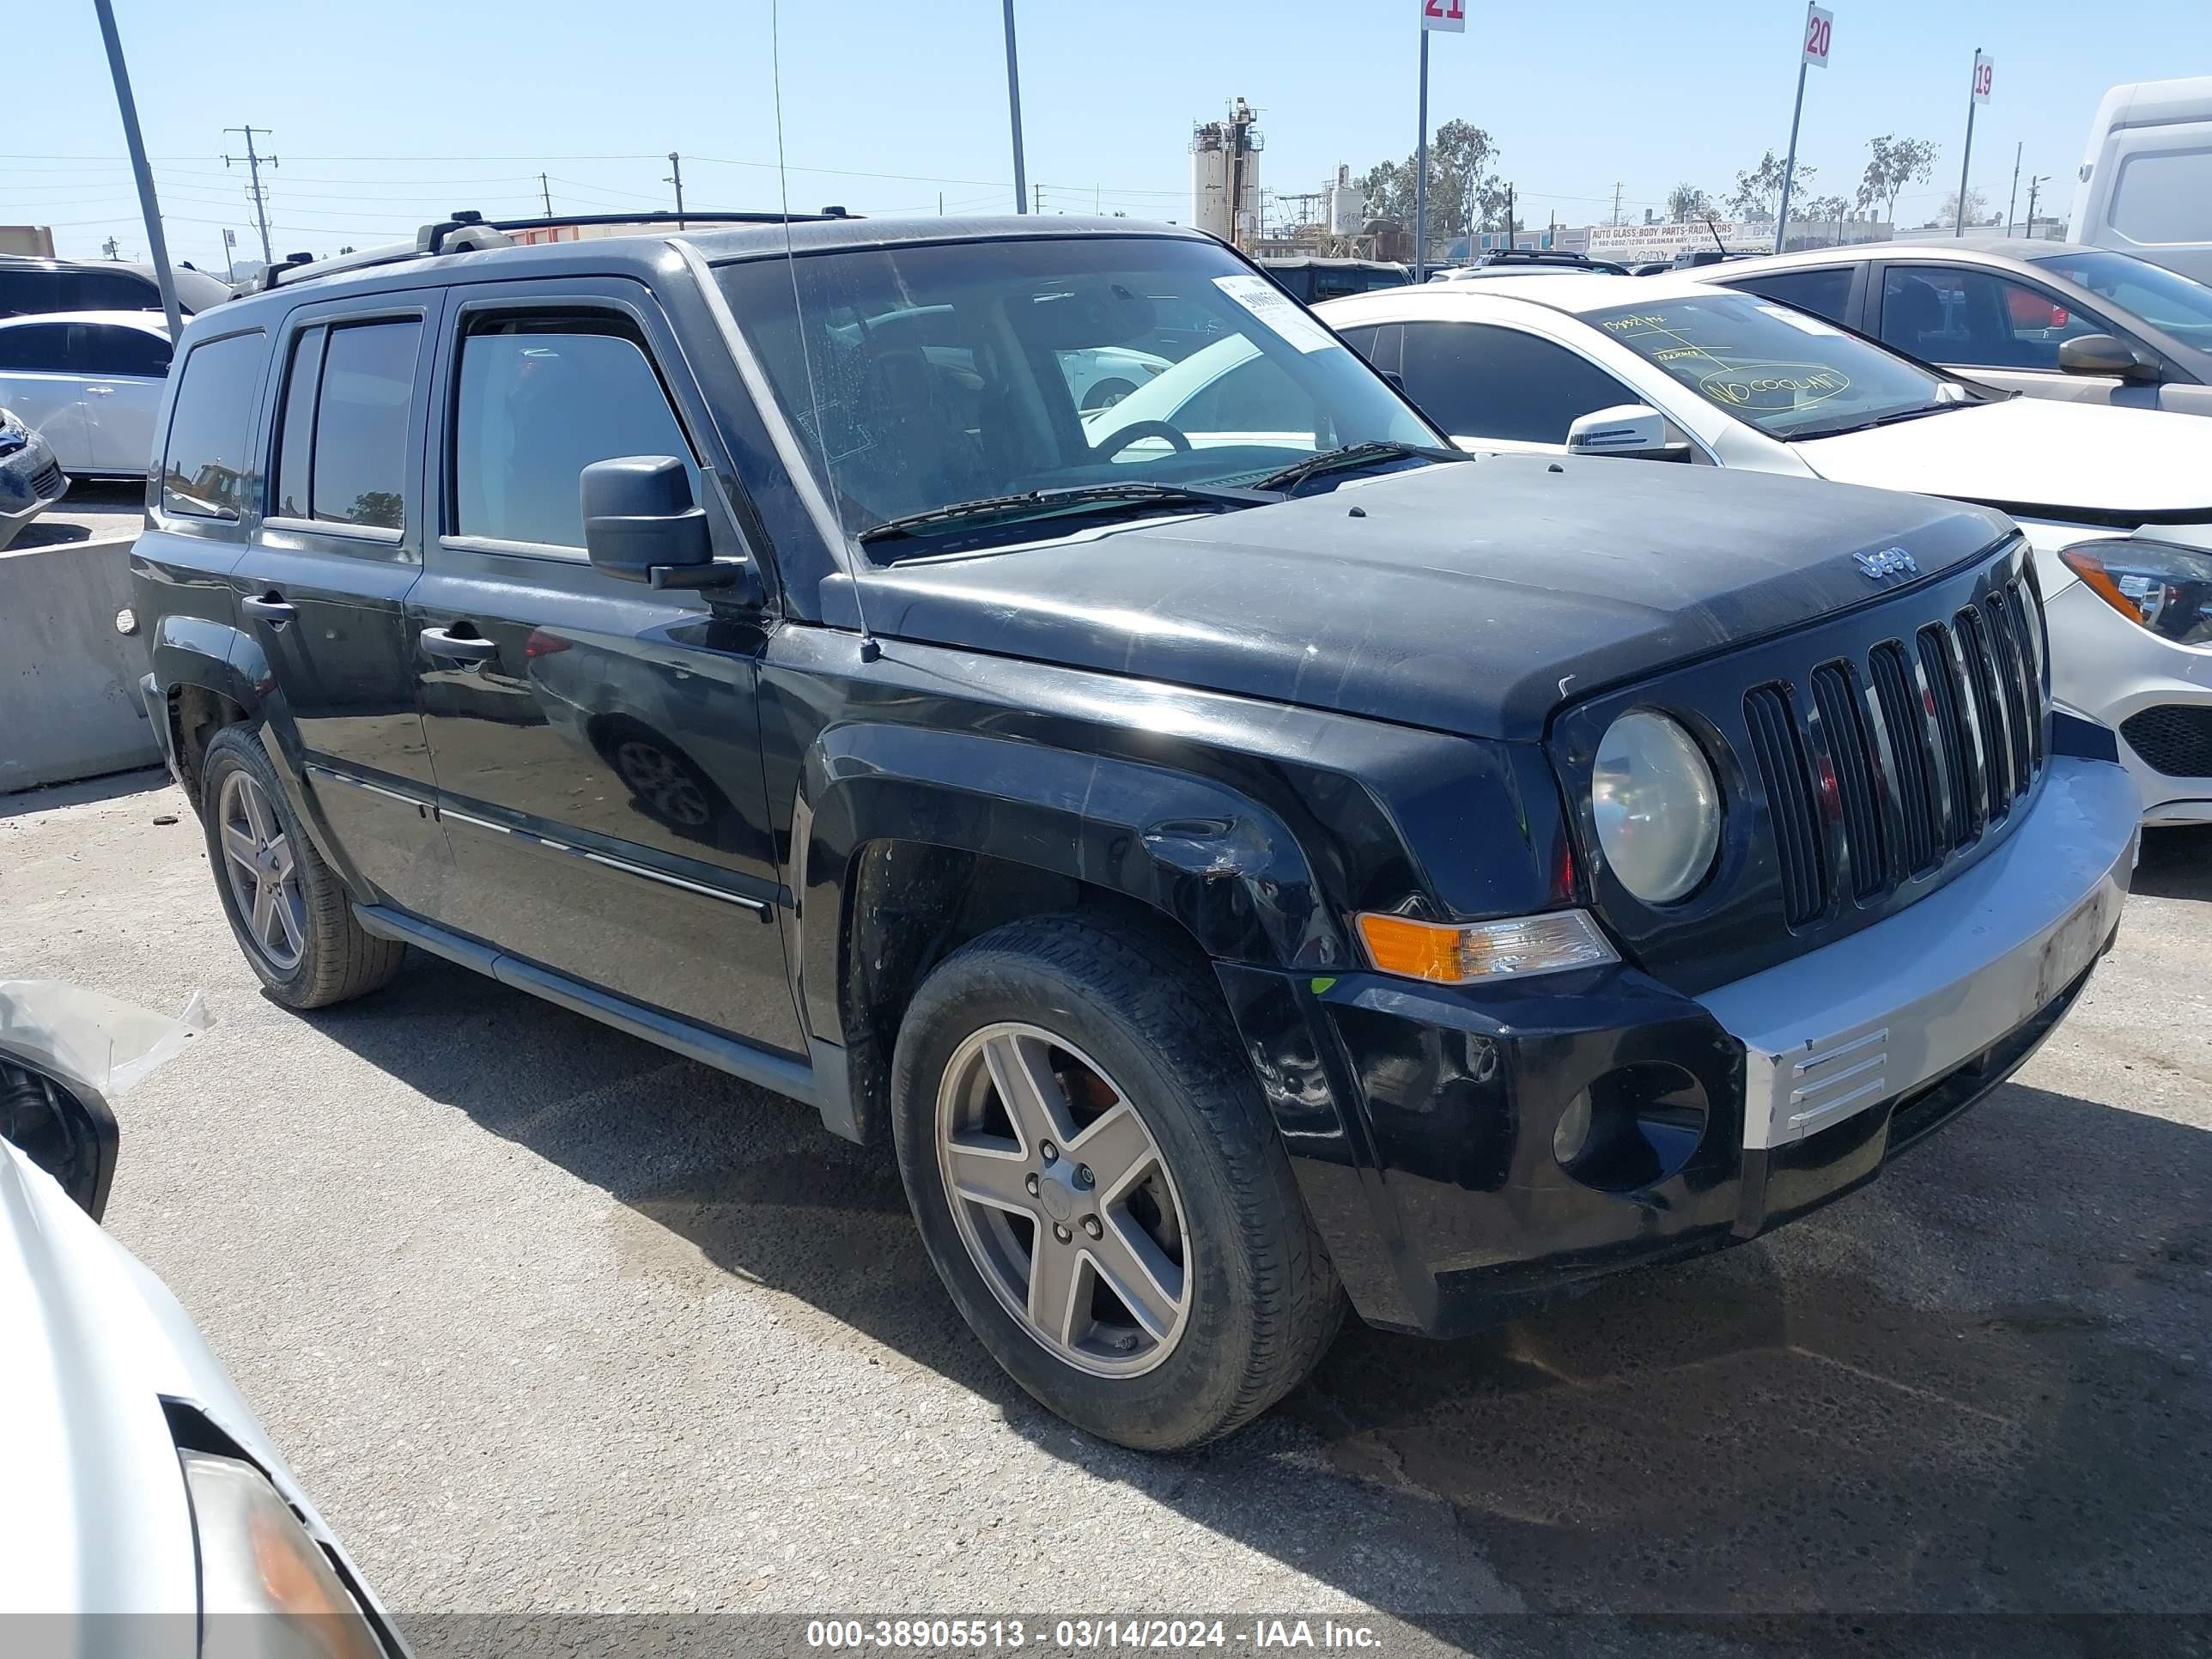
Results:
<point x="2165" y="588"/>
<point x="257" y="1560"/>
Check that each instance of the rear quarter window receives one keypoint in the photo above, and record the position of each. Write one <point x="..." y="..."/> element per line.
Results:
<point x="206" y="469"/>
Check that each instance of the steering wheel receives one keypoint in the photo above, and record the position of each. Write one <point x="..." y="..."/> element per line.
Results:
<point x="1117" y="441"/>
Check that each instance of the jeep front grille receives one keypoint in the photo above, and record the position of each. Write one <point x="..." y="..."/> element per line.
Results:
<point x="1876" y="771"/>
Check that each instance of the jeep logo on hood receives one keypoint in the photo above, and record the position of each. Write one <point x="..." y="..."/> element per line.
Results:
<point x="1890" y="561"/>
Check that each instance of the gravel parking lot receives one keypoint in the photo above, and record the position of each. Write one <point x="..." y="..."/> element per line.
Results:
<point x="551" y="1320"/>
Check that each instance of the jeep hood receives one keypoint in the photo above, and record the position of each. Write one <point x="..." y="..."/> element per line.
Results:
<point x="2036" y="457"/>
<point x="1471" y="599"/>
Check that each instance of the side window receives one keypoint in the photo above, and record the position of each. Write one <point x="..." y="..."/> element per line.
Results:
<point x="111" y="349"/>
<point x="359" y="473"/>
<point x="26" y="293"/>
<point x="205" y="466"/>
<point x="38" y="348"/>
<point x="296" y="429"/>
<point x="540" y="398"/>
<point x="1826" y="292"/>
<point x="1361" y="338"/>
<point x="1955" y="314"/>
<point x="107" y="290"/>
<point x="2160" y="197"/>
<point x="1475" y="381"/>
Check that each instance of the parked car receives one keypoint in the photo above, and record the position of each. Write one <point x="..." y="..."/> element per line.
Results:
<point x="1229" y="879"/>
<point x="29" y="285"/>
<point x="2115" y="501"/>
<point x="30" y="479"/>
<point x="89" y="381"/>
<point x="146" y="1511"/>
<point x="1526" y="262"/>
<point x="1310" y="278"/>
<point x="2052" y="320"/>
<point x="2145" y="183"/>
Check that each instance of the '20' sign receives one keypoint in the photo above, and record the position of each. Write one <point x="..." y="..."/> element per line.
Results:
<point x="1820" y="29"/>
<point x="1448" y="15"/>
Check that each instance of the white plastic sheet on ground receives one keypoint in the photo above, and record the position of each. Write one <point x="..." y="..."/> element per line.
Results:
<point x="99" y="1040"/>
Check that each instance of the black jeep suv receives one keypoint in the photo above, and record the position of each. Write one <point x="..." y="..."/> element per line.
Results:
<point x="1237" y="854"/>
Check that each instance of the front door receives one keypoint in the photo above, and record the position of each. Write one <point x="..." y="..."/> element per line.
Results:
<point x="327" y="566"/>
<point x="596" y="742"/>
<point x="40" y="385"/>
<point x="1999" y="331"/>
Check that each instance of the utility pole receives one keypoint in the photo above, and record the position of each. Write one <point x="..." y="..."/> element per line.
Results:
<point x="1037" y="190"/>
<point x="1616" y="202"/>
<point x="546" y="190"/>
<point x="2013" y="200"/>
<point x="676" y="178"/>
<point x="253" y="162"/>
<point x="2034" y="186"/>
<point x="127" y="107"/>
<point x="1509" y="219"/>
<point x="1014" y="112"/>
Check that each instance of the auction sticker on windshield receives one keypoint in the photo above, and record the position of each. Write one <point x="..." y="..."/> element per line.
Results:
<point x="1278" y="311"/>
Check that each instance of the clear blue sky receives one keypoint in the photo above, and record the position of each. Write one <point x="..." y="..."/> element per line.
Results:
<point x="389" y="113"/>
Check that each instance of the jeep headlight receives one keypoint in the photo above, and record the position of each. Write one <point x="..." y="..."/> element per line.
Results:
<point x="1657" y="808"/>
<point x="2165" y="588"/>
<point x="257" y="1561"/>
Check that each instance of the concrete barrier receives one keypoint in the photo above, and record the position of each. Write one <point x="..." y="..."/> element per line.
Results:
<point x="68" y="682"/>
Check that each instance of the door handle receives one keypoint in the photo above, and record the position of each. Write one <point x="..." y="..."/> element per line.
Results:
<point x="457" y="648"/>
<point x="101" y="391"/>
<point x="271" y="607"/>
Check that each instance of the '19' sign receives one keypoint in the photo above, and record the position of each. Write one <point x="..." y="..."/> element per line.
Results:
<point x="1986" y="70"/>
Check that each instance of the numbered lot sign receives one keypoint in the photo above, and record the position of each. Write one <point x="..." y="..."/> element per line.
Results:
<point x="1986" y="70"/>
<point x="1450" y="15"/>
<point x="1820" y="27"/>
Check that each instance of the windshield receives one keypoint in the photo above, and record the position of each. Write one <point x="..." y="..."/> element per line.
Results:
<point x="2165" y="299"/>
<point x="1786" y="372"/>
<point x="949" y="372"/>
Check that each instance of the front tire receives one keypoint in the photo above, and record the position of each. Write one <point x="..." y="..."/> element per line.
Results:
<point x="287" y="908"/>
<point x="1098" y="1183"/>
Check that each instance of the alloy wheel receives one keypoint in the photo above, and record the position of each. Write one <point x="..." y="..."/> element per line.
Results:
<point x="1064" y="1200"/>
<point x="264" y="876"/>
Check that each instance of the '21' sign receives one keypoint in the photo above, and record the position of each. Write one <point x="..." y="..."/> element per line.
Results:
<point x="1448" y="15"/>
<point x="1985" y="71"/>
<point x="1819" y="29"/>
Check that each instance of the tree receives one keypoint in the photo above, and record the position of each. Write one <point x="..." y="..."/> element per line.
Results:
<point x="1686" y="203"/>
<point x="1894" y="163"/>
<point x="1977" y="209"/>
<point x="1465" y="191"/>
<point x="1830" y="207"/>
<point x="1758" y="193"/>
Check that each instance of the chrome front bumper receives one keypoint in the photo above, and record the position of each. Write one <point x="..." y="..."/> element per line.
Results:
<point x="1876" y="1015"/>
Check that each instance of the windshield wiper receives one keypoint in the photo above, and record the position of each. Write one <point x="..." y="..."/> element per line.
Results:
<point x="1031" y="503"/>
<point x="1838" y="430"/>
<point x="1352" y="455"/>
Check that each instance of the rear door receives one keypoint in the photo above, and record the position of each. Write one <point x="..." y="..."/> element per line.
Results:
<point x="124" y="368"/>
<point x="39" y="381"/>
<point x="597" y="741"/>
<point x="328" y="564"/>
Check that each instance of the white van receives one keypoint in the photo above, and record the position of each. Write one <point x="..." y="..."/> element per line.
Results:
<point x="2146" y="181"/>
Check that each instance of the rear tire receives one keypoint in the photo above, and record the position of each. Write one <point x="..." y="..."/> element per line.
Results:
<point x="1245" y="1300"/>
<point x="288" y="908"/>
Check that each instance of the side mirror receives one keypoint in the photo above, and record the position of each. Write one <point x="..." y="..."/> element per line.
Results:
<point x="641" y="525"/>
<point x="1635" y="430"/>
<point x="2106" y="353"/>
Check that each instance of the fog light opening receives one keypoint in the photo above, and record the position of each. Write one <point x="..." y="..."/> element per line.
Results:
<point x="1632" y="1128"/>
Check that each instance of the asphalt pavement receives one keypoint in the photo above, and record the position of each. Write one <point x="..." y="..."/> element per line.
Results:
<point x="90" y="512"/>
<point x="552" y="1322"/>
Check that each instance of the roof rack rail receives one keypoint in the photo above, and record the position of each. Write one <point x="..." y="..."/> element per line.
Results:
<point x="1543" y="256"/>
<point x="467" y="231"/>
